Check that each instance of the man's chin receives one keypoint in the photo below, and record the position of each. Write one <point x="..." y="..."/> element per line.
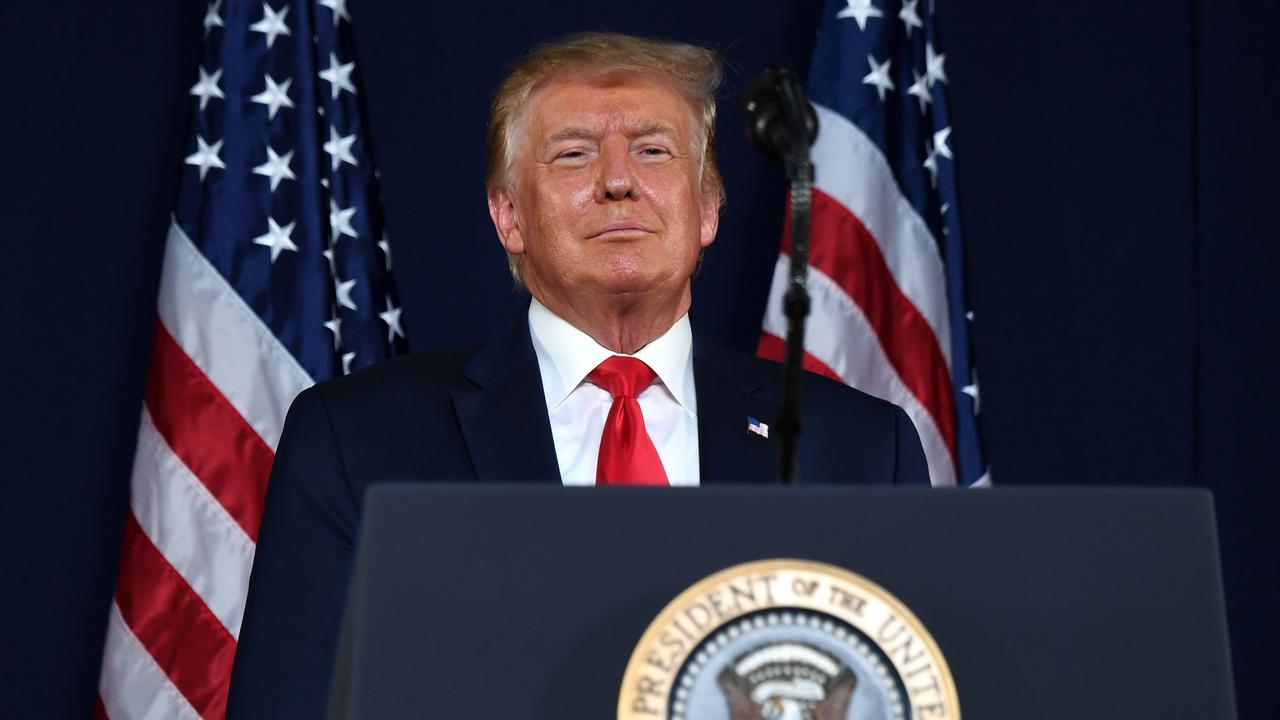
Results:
<point x="616" y="286"/>
<point x="627" y="286"/>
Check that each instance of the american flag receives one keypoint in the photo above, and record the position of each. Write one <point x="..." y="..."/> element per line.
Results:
<point x="889" y="313"/>
<point x="276" y="275"/>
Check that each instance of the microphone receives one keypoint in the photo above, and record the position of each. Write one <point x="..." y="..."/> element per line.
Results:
<point x="783" y="125"/>
<point x="780" y="120"/>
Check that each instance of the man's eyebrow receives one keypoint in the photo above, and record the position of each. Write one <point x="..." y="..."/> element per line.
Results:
<point x="651" y="127"/>
<point x="572" y="133"/>
<point x="641" y="129"/>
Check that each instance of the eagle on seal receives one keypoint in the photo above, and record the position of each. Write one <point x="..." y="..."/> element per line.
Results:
<point x="787" y="681"/>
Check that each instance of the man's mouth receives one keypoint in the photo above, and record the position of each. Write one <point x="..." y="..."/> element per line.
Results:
<point x="619" y="227"/>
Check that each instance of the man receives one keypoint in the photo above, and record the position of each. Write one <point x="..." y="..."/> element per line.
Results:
<point x="604" y="191"/>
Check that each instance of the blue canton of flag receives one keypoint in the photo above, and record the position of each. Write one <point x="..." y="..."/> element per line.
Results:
<point x="890" y="313"/>
<point x="280" y="191"/>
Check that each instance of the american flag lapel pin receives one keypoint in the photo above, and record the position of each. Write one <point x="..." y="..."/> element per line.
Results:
<point x="757" y="427"/>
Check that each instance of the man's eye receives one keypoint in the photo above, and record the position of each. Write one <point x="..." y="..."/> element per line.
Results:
<point x="571" y="155"/>
<point x="654" y="151"/>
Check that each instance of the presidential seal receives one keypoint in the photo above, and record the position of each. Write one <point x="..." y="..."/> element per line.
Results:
<point x="787" y="640"/>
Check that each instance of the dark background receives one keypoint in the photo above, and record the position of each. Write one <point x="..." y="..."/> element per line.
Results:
<point x="1117" y="165"/>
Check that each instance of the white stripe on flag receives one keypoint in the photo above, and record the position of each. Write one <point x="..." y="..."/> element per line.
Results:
<point x="839" y="335"/>
<point x="851" y="169"/>
<point x="190" y="528"/>
<point x="132" y="685"/>
<point x="226" y="338"/>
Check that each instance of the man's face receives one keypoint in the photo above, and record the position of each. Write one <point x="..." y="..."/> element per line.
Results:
<point x="605" y="198"/>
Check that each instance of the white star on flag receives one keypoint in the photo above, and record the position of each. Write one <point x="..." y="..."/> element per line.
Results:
<point x="339" y="8"/>
<point x="391" y="316"/>
<point x="342" y="289"/>
<point x="860" y="10"/>
<point x="385" y="247"/>
<point x="206" y="156"/>
<point x="207" y="87"/>
<point x="335" y="326"/>
<point x="940" y="142"/>
<point x="271" y="24"/>
<point x="276" y="167"/>
<point x="920" y="88"/>
<point x="347" y="359"/>
<point x="275" y="96"/>
<point x="972" y="391"/>
<point x="909" y="16"/>
<point x="931" y="163"/>
<point x="338" y="76"/>
<point x="340" y="221"/>
<point x="933" y="63"/>
<point x="339" y="148"/>
<point x="211" y="17"/>
<point x="879" y="76"/>
<point x="277" y="238"/>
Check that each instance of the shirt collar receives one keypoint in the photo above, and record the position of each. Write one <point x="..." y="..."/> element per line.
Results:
<point x="566" y="355"/>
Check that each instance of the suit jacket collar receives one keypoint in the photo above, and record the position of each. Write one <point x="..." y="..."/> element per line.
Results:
<point x="504" y="417"/>
<point x="505" y="426"/>
<point x="729" y="396"/>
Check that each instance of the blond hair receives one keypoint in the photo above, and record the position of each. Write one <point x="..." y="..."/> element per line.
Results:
<point x="695" y="72"/>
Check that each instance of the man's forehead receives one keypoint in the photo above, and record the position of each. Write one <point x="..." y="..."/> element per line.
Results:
<point x="636" y="103"/>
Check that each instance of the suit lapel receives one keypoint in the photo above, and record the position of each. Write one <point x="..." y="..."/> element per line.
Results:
<point x="504" y="419"/>
<point x="727" y="397"/>
<point x="508" y="436"/>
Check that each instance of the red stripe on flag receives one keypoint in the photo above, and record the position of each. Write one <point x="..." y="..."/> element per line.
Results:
<point x="206" y="432"/>
<point x="775" y="348"/>
<point x="99" y="710"/>
<point x="843" y="249"/>
<point x="173" y="624"/>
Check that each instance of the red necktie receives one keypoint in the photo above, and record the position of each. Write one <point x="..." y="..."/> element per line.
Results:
<point x="627" y="454"/>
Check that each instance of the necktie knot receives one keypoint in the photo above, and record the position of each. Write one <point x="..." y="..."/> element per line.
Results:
<point x="623" y="377"/>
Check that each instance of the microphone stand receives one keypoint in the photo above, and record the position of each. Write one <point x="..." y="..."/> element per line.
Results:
<point x="795" y="305"/>
<point x="783" y="124"/>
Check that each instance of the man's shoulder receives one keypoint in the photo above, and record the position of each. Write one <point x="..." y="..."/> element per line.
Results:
<point x="420" y="376"/>
<point x="423" y="385"/>
<point x="817" y="391"/>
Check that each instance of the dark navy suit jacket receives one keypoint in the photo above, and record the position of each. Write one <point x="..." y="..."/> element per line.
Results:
<point x="481" y="414"/>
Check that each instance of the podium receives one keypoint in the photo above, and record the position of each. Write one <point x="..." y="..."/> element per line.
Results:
<point x="528" y="602"/>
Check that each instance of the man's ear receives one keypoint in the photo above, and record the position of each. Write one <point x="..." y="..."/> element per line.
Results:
<point x="502" y="211"/>
<point x="710" y="218"/>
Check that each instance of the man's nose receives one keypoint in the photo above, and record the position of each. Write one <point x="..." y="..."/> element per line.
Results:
<point x="615" y="181"/>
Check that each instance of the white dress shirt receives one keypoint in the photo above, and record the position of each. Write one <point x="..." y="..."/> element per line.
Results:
<point x="577" y="408"/>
